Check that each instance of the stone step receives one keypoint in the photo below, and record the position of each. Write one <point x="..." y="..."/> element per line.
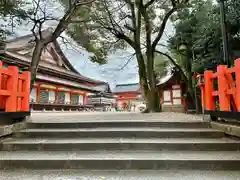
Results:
<point x="88" y="144"/>
<point x="120" y="160"/>
<point x="119" y="175"/>
<point x="119" y="123"/>
<point x="122" y="132"/>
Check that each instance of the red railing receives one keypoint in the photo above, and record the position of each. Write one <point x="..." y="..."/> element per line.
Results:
<point x="14" y="89"/>
<point x="228" y="88"/>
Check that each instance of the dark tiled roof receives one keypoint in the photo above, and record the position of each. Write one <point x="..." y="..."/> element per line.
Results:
<point x="72" y="71"/>
<point x="127" y="88"/>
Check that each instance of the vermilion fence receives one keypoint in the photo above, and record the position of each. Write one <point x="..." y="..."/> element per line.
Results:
<point x="225" y="93"/>
<point x="14" y="89"/>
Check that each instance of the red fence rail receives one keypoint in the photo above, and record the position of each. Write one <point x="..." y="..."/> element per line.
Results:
<point x="14" y="89"/>
<point x="228" y="88"/>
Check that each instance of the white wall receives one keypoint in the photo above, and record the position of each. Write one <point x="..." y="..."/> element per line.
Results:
<point x="52" y="96"/>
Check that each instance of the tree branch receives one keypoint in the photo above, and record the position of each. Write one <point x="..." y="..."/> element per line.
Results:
<point x="174" y="63"/>
<point x="149" y="3"/>
<point x="127" y="39"/>
<point x="66" y="19"/>
<point x="83" y="3"/>
<point x="33" y="31"/>
<point x="127" y="62"/>
<point x="162" y="27"/>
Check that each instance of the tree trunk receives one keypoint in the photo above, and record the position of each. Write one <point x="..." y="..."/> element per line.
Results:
<point x="142" y="76"/>
<point x="35" y="61"/>
<point x="153" y="96"/>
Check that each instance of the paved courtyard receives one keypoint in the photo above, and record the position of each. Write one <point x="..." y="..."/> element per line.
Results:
<point x="82" y="116"/>
<point x="120" y="175"/>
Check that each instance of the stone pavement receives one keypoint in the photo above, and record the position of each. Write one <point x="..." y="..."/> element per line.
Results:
<point x="119" y="175"/>
<point x="82" y="116"/>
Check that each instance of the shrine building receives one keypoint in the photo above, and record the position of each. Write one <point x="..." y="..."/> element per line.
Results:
<point x="58" y="85"/>
<point x="128" y="94"/>
<point x="171" y="90"/>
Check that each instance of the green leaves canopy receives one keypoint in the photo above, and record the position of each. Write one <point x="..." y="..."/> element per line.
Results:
<point x="11" y="14"/>
<point x="199" y="29"/>
<point x="111" y="25"/>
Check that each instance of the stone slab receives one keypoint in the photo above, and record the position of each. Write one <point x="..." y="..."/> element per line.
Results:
<point x="75" y="116"/>
<point x="88" y="144"/>
<point x="233" y="130"/>
<point x="120" y="123"/>
<point x="123" y="132"/>
<point x="121" y="155"/>
<point x="118" y="175"/>
<point x="221" y="160"/>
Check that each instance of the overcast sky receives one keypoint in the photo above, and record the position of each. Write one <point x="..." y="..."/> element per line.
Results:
<point x="112" y="72"/>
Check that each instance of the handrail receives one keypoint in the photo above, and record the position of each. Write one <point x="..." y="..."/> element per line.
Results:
<point x="228" y="88"/>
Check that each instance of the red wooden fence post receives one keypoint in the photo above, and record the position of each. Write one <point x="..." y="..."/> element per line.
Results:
<point x="12" y="87"/>
<point x="1" y="83"/>
<point x="237" y="76"/>
<point x="0" y="74"/>
<point x="26" y="91"/>
<point x="56" y="96"/>
<point x="224" y="98"/>
<point x="20" y="91"/>
<point x="209" y="99"/>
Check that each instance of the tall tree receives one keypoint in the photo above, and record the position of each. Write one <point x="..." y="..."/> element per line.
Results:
<point x="138" y="24"/>
<point x="39" y="17"/>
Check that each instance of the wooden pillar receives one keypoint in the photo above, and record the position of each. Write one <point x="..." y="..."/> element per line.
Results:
<point x="56" y="96"/>
<point x="25" y="106"/>
<point x="20" y="99"/>
<point x="12" y="87"/>
<point x="209" y="99"/>
<point x="224" y="98"/>
<point x="71" y="93"/>
<point x="2" y="104"/>
<point x="85" y="99"/>
<point x="38" y="92"/>
<point x="237" y="75"/>
<point x="171" y="95"/>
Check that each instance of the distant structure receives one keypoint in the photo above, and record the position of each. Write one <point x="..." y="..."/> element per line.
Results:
<point x="102" y="99"/>
<point x="58" y="86"/>
<point x="171" y="90"/>
<point x="128" y="95"/>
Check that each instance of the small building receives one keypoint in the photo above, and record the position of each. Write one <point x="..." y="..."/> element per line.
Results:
<point x="171" y="92"/>
<point x="102" y="99"/>
<point x="58" y="85"/>
<point x="128" y="95"/>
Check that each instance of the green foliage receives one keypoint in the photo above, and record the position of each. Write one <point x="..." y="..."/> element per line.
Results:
<point x="199" y="29"/>
<point x="161" y="65"/>
<point x="108" y="20"/>
<point x="12" y="14"/>
<point x="90" y="34"/>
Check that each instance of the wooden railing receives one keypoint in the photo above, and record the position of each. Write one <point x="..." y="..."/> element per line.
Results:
<point x="228" y="91"/>
<point x="14" y="89"/>
<point x="220" y="91"/>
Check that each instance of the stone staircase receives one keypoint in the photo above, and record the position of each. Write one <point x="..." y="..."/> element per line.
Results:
<point x="120" y="145"/>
